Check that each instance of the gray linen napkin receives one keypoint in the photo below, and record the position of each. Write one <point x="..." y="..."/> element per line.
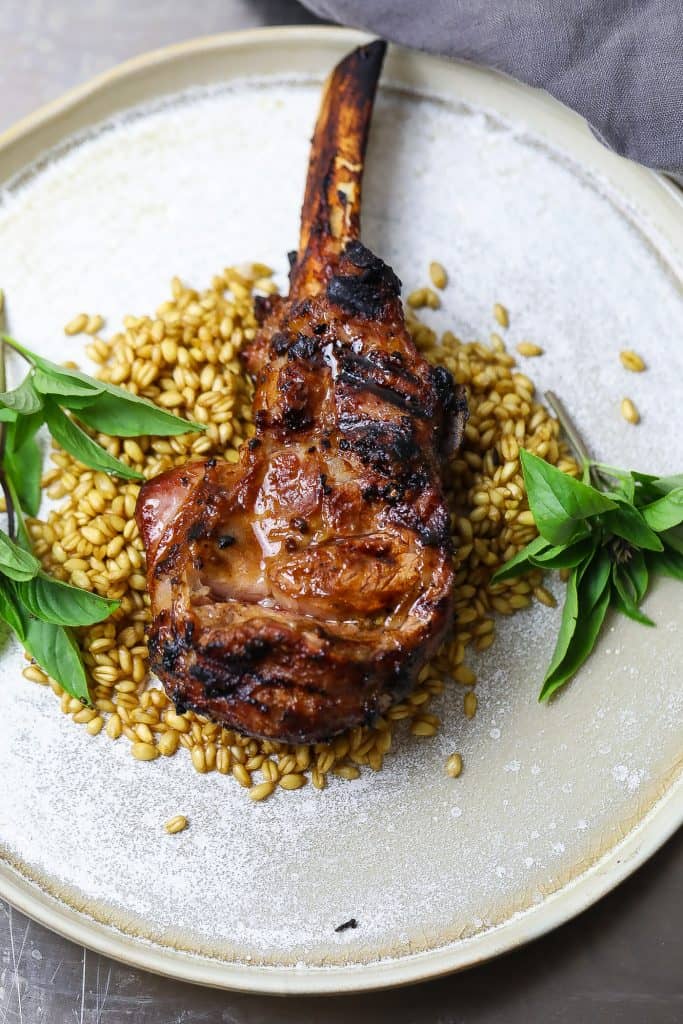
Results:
<point x="619" y="63"/>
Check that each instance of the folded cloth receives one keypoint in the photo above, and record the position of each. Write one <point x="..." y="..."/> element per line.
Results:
<point x="619" y="63"/>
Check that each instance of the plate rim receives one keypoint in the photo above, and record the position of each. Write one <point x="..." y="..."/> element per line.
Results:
<point x="644" y="839"/>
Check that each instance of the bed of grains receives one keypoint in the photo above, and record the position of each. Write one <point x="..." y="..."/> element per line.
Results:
<point x="186" y="359"/>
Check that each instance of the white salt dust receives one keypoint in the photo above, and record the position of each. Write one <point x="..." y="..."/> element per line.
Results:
<point x="416" y="857"/>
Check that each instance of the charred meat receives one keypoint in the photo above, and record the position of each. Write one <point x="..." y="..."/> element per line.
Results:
<point x="299" y="592"/>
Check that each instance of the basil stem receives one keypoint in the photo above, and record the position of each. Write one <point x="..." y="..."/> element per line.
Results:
<point x="590" y="470"/>
<point x="9" y="505"/>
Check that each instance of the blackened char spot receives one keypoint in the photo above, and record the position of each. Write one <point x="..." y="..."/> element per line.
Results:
<point x="386" y="448"/>
<point x="435" y="533"/>
<point x="365" y="294"/>
<point x="279" y="343"/>
<point x="304" y="347"/>
<point x="364" y="374"/>
<point x="197" y="530"/>
<point x="263" y="307"/>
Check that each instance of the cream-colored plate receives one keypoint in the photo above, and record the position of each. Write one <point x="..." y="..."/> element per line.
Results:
<point x="556" y="804"/>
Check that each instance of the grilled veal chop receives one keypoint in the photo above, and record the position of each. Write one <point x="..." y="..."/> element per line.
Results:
<point x="299" y="592"/>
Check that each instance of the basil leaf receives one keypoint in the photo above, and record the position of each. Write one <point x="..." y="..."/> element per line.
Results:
<point x="23" y="399"/>
<point x="673" y="539"/>
<point x="669" y="563"/>
<point x="638" y="573"/>
<point x="9" y="612"/>
<point x="24" y="467"/>
<point x="127" y="415"/>
<point x="16" y="563"/>
<point x="559" y="503"/>
<point x="24" y="428"/>
<point x="62" y="383"/>
<point x="120" y="413"/>
<point x="559" y="557"/>
<point x="77" y="443"/>
<point x="642" y="478"/>
<point x="582" y="643"/>
<point x="626" y="483"/>
<point x="666" y="512"/>
<point x="624" y="598"/>
<point x="53" y="601"/>
<point x="594" y="579"/>
<point x="7" y="415"/>
<point x="570" y="612"/>
<point x="660" y="484"/>
<point x="627" y="522"/>
<point x="56" y="651"/>
<point x="519" y="563"/>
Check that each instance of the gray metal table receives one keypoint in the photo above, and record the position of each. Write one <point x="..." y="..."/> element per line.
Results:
<point x="619" y="962"/>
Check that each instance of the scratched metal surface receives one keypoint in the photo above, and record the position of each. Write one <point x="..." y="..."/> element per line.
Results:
<point x="619" y="962"/>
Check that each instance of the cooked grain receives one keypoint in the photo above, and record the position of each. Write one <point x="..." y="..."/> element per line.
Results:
<point x="260" y="792"/>
<point x="438" y="275"/>
<point x="630" y="360"/>
<point x="629" y="411"/>
<point x="176" y="824"/>
<point x="528" y="348"/>
<point x="501" y="314"/>
<point x="470" y="704"/>
<point x="144" y="751"/>
<point x="186" y="358"/>
<point x="77" y="325"/>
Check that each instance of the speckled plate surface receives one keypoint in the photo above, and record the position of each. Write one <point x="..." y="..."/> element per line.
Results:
<point x="194" y="158"/>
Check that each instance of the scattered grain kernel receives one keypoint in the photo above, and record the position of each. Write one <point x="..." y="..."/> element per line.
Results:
<point x="454" y="765"/>
<point x="346" y="771"/>
<point x="630" y="360"/>
<point x="113" y="727"/>
<point x="422" y="728"/>
<point x="262" y="791"/>
<point x="34" y="674"/>
<point x="629" y="411"/>
<point x="470" y="704"/>
<point x="242" y="775"/>
<point x="438" y="275"/>
<point x="501" y="314"/>
<point x="528" y="348"/>
<point x="417" y="298"/>
<point x="168" y="742"/>
<point x="293" y="781"/>
<point x="95" y="725"/>
<point x="176" y="824"/>
<point x="77" y="325"/>
<point x="144" y="751"/>
<point x="545" y="597"/>
<point x="93" y="324"/>
<point x="463" y="674"/>
<point x="199" y="759"/>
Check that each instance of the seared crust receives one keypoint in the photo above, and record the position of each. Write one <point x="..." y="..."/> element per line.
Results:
<point x="299" y="592"/>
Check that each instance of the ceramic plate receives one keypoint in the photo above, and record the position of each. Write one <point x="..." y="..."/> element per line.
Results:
<point x="193" y="158"/>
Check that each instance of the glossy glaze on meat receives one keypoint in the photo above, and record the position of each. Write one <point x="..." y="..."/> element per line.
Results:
<point x="299" y="592"/>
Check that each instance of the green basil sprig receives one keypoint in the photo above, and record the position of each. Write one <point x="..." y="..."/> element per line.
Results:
<point x="612" y="531"/>
<point x="40" y="610"/>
